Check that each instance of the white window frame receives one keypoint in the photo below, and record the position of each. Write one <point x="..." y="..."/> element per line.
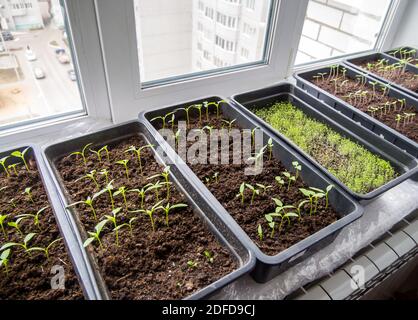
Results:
<point x="120" y="49"/>
<point x="83" y="33"/>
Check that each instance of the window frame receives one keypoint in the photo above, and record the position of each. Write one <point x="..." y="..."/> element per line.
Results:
<point x="120" y="49"/>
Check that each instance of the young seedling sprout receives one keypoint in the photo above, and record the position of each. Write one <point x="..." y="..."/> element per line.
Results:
<point x="298" y="168"/>
<point x="187" y="111"/>
<point x="192" y="264"/>
<point x="2" y="220"/>
<point x="4" y="260"/>
<point x="129" y="225"/>
<point x="35" y="217"/>
<point x="163" y="119"/>
<point x="270" y="148"/>
<point x="82" y="153"/>
<point x="105" y="173"/>
<point x="253" y="132"/>
<point x="260" y="232"/>
<point x="114" y="220"/>
<point x="280" y="213"/>
<point x="280" y="181"/>
<point x="91" y="176"/>
<point x="216" y="177"/>
<point x="28" y="192"/>
<point x="157" y="187"/>
<point x="109" y="189"/>
<point x="229" y="123"/>
<point x="290" y="179"/>
<point x="89" y="203"/>
<point x="169" y="208"/>
<point x="150" y="213"/>
<point x="16" y="225"/>
<point x="98" y="154"/>
<point x="166" y="176"/>
<point x="263" y="187"/>
<point x="23" y="245"/>
<point x="254" y="192"/>
<point x="122" y="191"/>
<point x="209" y="256"/>
<point x="124" y="163"/>
<point x="241" y="192"/>
<point x="46" y="250"/>
<point x="13" y="167"/>
<point x="95" y="236"/>
<point x="199" y="107"/>
<point x="141" y="193"/>
<point x="138" y="153"/>
<point x="3" y="164"/>
<point x="21" y="155"/>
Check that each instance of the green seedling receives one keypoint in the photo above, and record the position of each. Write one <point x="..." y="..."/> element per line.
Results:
<point x="16" y="225"/>
<point x="263" y="187"/>
<point x="21" y="156"/>
<point x="280" y="212"/>
<point x="206" y="107"/>
<point x="124" y="163"/>
<point x="157" y="187"/>
<point x="241" y="192"/>
<point x="141" y="193"/>
<point x="92" y="177"/>
<point x="138" y="153"/>
<point x="319" y="194"/>
<point x="253" y="132"/>
<point x="270" y="148"/>
<point x="172" y="121"/>
<point x="35" y="217"/>
<point x="229" y="124"/>
<point x="13" y="167"/>
<point x="297" y="167"/>
<point x="150" y="213"/>
<point x="46" y="250"/>
<point x="166" y="176"/>
<point x="254" y="192"/>
<point x="28" y="192"/>
<point x="89" y="202"/>
<point x="105" y="173"/>
<point x="300" y="206"/>
<point x="209" y="256"/>
<point x="163" y="119"/>
<point x="95" y="236"/>
<point x="82" y="153"/>
<point x="187" y="111"/>
<point x="192" y="264"/>
<point x="199" y="107"/>
<point x="98" y="154"/>
<point x="169" y="208"/>
<point x="129" y="225"/>
<point x="113" y="219"/>
<point x="280" y="181"/>
<point x="3" y="164"/>
<point x="109" y="189"/>
<point x="260" y="232"/>
<point x="23" y="245"/>
<point x="106" y="150"/>
<point x="4" y="260"/>
<point x="290" y="179"/>
<point x="122" y="192"/>
<point x="2" y="220"/>
<point x="258" y="156"/>
<point x="13" y="203"/>
<point x="216" y="177"/>
<point x="309" y="194"/>
<point x="177" y="137"/>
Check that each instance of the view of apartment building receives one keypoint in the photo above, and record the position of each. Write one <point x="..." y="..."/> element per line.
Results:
<point x="21" y="14"/>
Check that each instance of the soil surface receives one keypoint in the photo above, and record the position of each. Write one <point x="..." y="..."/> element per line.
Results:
<point x="30" y="276"/>
<point x="250" y="215"/>
<point x="373" y="100"/>
<point x="169" y="263"/>
<point x="403" y="78"/>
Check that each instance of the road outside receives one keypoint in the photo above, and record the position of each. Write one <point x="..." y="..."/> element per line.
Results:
<point x="30" y="98"/>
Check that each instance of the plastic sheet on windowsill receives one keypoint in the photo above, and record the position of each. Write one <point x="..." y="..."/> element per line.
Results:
<point x="379" y="217"/>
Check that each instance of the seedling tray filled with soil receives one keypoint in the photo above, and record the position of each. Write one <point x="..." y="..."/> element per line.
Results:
<point x="285" y="212"/>
<point x="146" y="236"/>
<point x="34" y="261"/>
<point x="399" y="73"/>
<point x="385" y="111"/>
<point x="409" y="54"/>
<point x="364" y="165"/>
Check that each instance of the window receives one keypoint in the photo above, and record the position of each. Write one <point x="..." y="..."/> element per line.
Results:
<point x="169" y="50"/>
<point x="340" y="27"/>
<point x="250" y="4"/>
<point x="37" y="74"/>
<point x="245" y="53"/>
<point x="248" y="29"/>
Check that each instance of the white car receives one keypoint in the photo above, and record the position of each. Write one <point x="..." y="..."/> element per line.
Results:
<point x="30" y="55"/>
<point x="72" y="75"/>
<point x="39" y="73"/>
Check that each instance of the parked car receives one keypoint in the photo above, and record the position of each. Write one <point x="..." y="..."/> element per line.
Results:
<point x="72" y="75"/>
<point x="7" y="36"/>
<point x="62" y="56"/>
<point x="39" y="73"/>
<point x="30" y="55"/>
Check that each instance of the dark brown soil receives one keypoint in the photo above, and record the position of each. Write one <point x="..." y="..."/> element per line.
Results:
<point x="378" y="99"/>
<point x="29" y="276"/>
<point x="405" y="79"/>
<point x="250" y="216"/>
<point x="146" y="265"/>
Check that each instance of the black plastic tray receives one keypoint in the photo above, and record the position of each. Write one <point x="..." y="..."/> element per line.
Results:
<point x="267" y="267"/>
<point x="73" y="249"/>
<point x="390" y="52"/>
<point x="405" y="164"/>
<point x="209" y="217"/>
<point x="374" y="125"/>
<point x="377" y="56"/>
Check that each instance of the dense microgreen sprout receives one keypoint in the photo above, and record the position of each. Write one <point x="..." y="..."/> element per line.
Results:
<point x="138" y="152"/>
<point x="95" y="236"/>
<point x="45" y="250"/>
<point x="34" y="217"/>
<point x="356" y="167"/>
<point x="82" y="153"/>
<point x="124" y="163"/>
<point x="21" y="156"/>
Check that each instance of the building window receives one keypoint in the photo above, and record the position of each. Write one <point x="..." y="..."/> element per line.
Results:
<point x="37" y="75"/>
<point x="332" y="29"/>
<point x="248" y="29"/>
<point x="206" y="54"/>
<point x="250" y="4"/>
<point x="245" y="53"/>
<point x="176" y="40"/>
